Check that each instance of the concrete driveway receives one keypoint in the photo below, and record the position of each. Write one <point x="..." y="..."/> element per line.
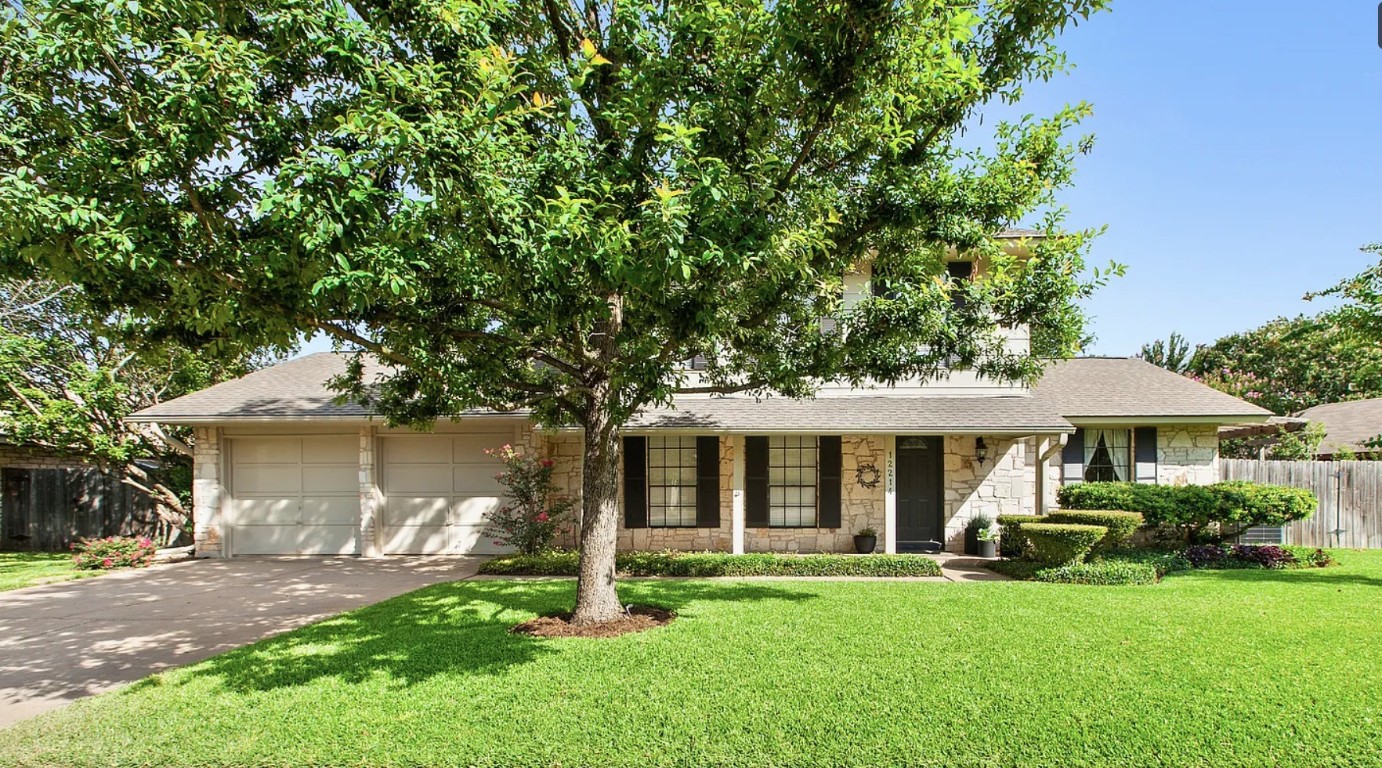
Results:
<point x="64" y="641"/>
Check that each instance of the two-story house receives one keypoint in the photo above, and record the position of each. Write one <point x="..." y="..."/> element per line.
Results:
<point x="283" y="469"/>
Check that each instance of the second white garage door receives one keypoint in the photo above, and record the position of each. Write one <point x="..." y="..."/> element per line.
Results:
<point x="437" y="489"/>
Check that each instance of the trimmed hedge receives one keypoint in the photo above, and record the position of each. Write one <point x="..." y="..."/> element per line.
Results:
<point x="1061" y="543"/>
<point x="1099" y="572"/>
<point x="1194" y="509"/>
<point x="1011" y="542"/>
<point x="1163" y="561"/>
<point x="1121" y="525"/>
<point x="564" y="563"/>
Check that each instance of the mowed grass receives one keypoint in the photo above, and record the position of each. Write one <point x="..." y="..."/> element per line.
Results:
<point x="27" y="569"/>
<point x="1227" y="668"/>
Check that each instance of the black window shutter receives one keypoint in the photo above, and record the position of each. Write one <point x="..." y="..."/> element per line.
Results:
<point x="756" y="482"/>
<point x="1144" y="458"/>
<point x="1072" y="456"/>
<point x="828" y="482"/>
<point x="635" y="482"/>
<point x="708" y="482"/>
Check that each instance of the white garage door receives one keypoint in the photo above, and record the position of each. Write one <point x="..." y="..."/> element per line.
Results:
<point x="437" y="489"/>
<point x="294" y="495"/>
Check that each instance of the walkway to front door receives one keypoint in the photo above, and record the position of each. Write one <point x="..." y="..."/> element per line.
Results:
<point x="64" y="641"/>
<point x="920" y="494"/>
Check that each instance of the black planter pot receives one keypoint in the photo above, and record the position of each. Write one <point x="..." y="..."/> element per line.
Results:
<point x="988" y="549"/>
<point x="865" y="544"/>
<point x="971" y="541"/>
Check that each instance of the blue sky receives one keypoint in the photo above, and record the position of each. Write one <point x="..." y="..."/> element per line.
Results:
<point x="1236" y="159"/>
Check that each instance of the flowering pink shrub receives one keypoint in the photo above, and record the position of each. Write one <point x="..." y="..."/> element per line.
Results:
<point x="113" y="552"/>
<point x="533" y="513"/>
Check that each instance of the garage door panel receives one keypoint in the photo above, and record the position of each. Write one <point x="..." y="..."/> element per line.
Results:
<point x="267" y="480"/>
<point x="331" y="480"/>
<point x="265" y="511"/>
<point x="471" y="448"/>
<point x="327" y="540"/>
<point x="337" y="510"/>
<point x="472" y="539"/>
<point x="417" y="450"/>
<point x="416" y="539"/>
<point x="476" y="479"/>
<point x="268" y="539"/>
<point x="471" y="510"/>
<point x="268" y="450"/>
<point x="418" y="479"/>
<point x="417" y="510"/>
<point x="331" y="449"/>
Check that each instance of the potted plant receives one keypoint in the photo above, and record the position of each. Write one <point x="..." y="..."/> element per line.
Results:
<point x="865" y="540"/>
<point x="977" y="523"/>
<point x="988" y="541"/>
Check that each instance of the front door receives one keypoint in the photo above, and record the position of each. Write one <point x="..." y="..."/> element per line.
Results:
<point x="920" y="510"/>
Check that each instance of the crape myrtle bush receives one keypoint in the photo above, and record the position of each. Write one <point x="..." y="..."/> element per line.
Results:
<point x="1197" y="512"/>
<point x="113" y="552"/>
<point x="671" y="563"/>
<point x="1061" y="543"/>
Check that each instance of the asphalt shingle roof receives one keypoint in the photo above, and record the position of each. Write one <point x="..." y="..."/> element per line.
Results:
<point x="1347" y="425"/>
<point x="1083" y="387"/>
<point x="1106" y="387"/>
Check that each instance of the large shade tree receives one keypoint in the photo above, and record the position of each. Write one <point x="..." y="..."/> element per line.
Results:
<point x="548" y="204"/>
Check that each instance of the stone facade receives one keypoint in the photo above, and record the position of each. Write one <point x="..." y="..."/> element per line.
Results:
<point x="1003" y="485"/>
<point x="371" y="498"/>
<point x="1187" y="455"/>
<point x="206" y="492"/>
<point x="860" y="507"/>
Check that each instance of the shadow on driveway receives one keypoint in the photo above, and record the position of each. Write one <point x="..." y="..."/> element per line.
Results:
<point x="64" y="641"/>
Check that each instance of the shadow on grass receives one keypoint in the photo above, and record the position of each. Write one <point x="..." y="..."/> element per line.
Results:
<point x="460" y="628"/>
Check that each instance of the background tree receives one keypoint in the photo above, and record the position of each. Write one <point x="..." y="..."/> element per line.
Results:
<point x="68" y="378"/>
<point x="1288" y="365"/>
<point x="1361" y="312"/>
<point x="545" y="204"/>
<point x="1173" y="354"/>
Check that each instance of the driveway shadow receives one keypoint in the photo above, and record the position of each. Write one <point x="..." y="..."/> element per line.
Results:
<point x="461" y="628"/>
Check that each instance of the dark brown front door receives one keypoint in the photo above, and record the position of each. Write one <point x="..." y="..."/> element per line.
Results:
<point x="920" y="518"/>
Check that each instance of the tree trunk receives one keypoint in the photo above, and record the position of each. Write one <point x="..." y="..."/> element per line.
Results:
<point x="596" y="598"/>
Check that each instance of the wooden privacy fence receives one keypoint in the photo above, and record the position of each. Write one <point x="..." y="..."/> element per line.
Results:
<point x="1350" y="494"/>
<point x="48" y="509"/>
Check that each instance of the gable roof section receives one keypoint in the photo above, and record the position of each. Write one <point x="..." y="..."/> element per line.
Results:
<point x="1347" y="425"/>
<point x="1132" y="388"/>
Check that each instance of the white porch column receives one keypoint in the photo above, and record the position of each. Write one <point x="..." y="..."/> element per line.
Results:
<point x="367" y="542"/>
<point x="890" y="496"/>
<point x="208" y="524"/>
<point x="736" y="507"/>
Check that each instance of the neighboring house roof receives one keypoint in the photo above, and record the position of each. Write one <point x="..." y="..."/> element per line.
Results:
<point x="1129" y="387"/>
<point x="1017" y="233"/>
<point x="1008" y="414"/>
<point x="1069" y="391"/>
<point x="1347" y="425"/>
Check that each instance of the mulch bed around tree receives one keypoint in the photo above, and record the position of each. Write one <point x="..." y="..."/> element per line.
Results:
<point x="640" y="617"/>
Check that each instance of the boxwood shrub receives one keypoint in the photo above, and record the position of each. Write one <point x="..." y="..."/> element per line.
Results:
<point x="1198" y="511"/>
<point x="1098" y="572"/>
<point x="1061" y="543"/>
<point x="1121" y="525"/>
<point x="670" y="563"/>
<point x="1012" y="543"/>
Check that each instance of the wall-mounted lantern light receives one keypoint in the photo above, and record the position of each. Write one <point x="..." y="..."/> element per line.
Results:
<point x="981" y="451"/>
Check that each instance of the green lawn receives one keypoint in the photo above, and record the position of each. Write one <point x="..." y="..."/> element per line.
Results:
<point x="25" y="569"/>
<point x="1232" y="668"/>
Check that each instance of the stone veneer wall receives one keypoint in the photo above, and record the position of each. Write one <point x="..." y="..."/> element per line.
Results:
<point x="1003" y="485"/>
<point x="28" y="457"/>
<point x="1187" y="454"/>
<point x="206" y="492"/>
